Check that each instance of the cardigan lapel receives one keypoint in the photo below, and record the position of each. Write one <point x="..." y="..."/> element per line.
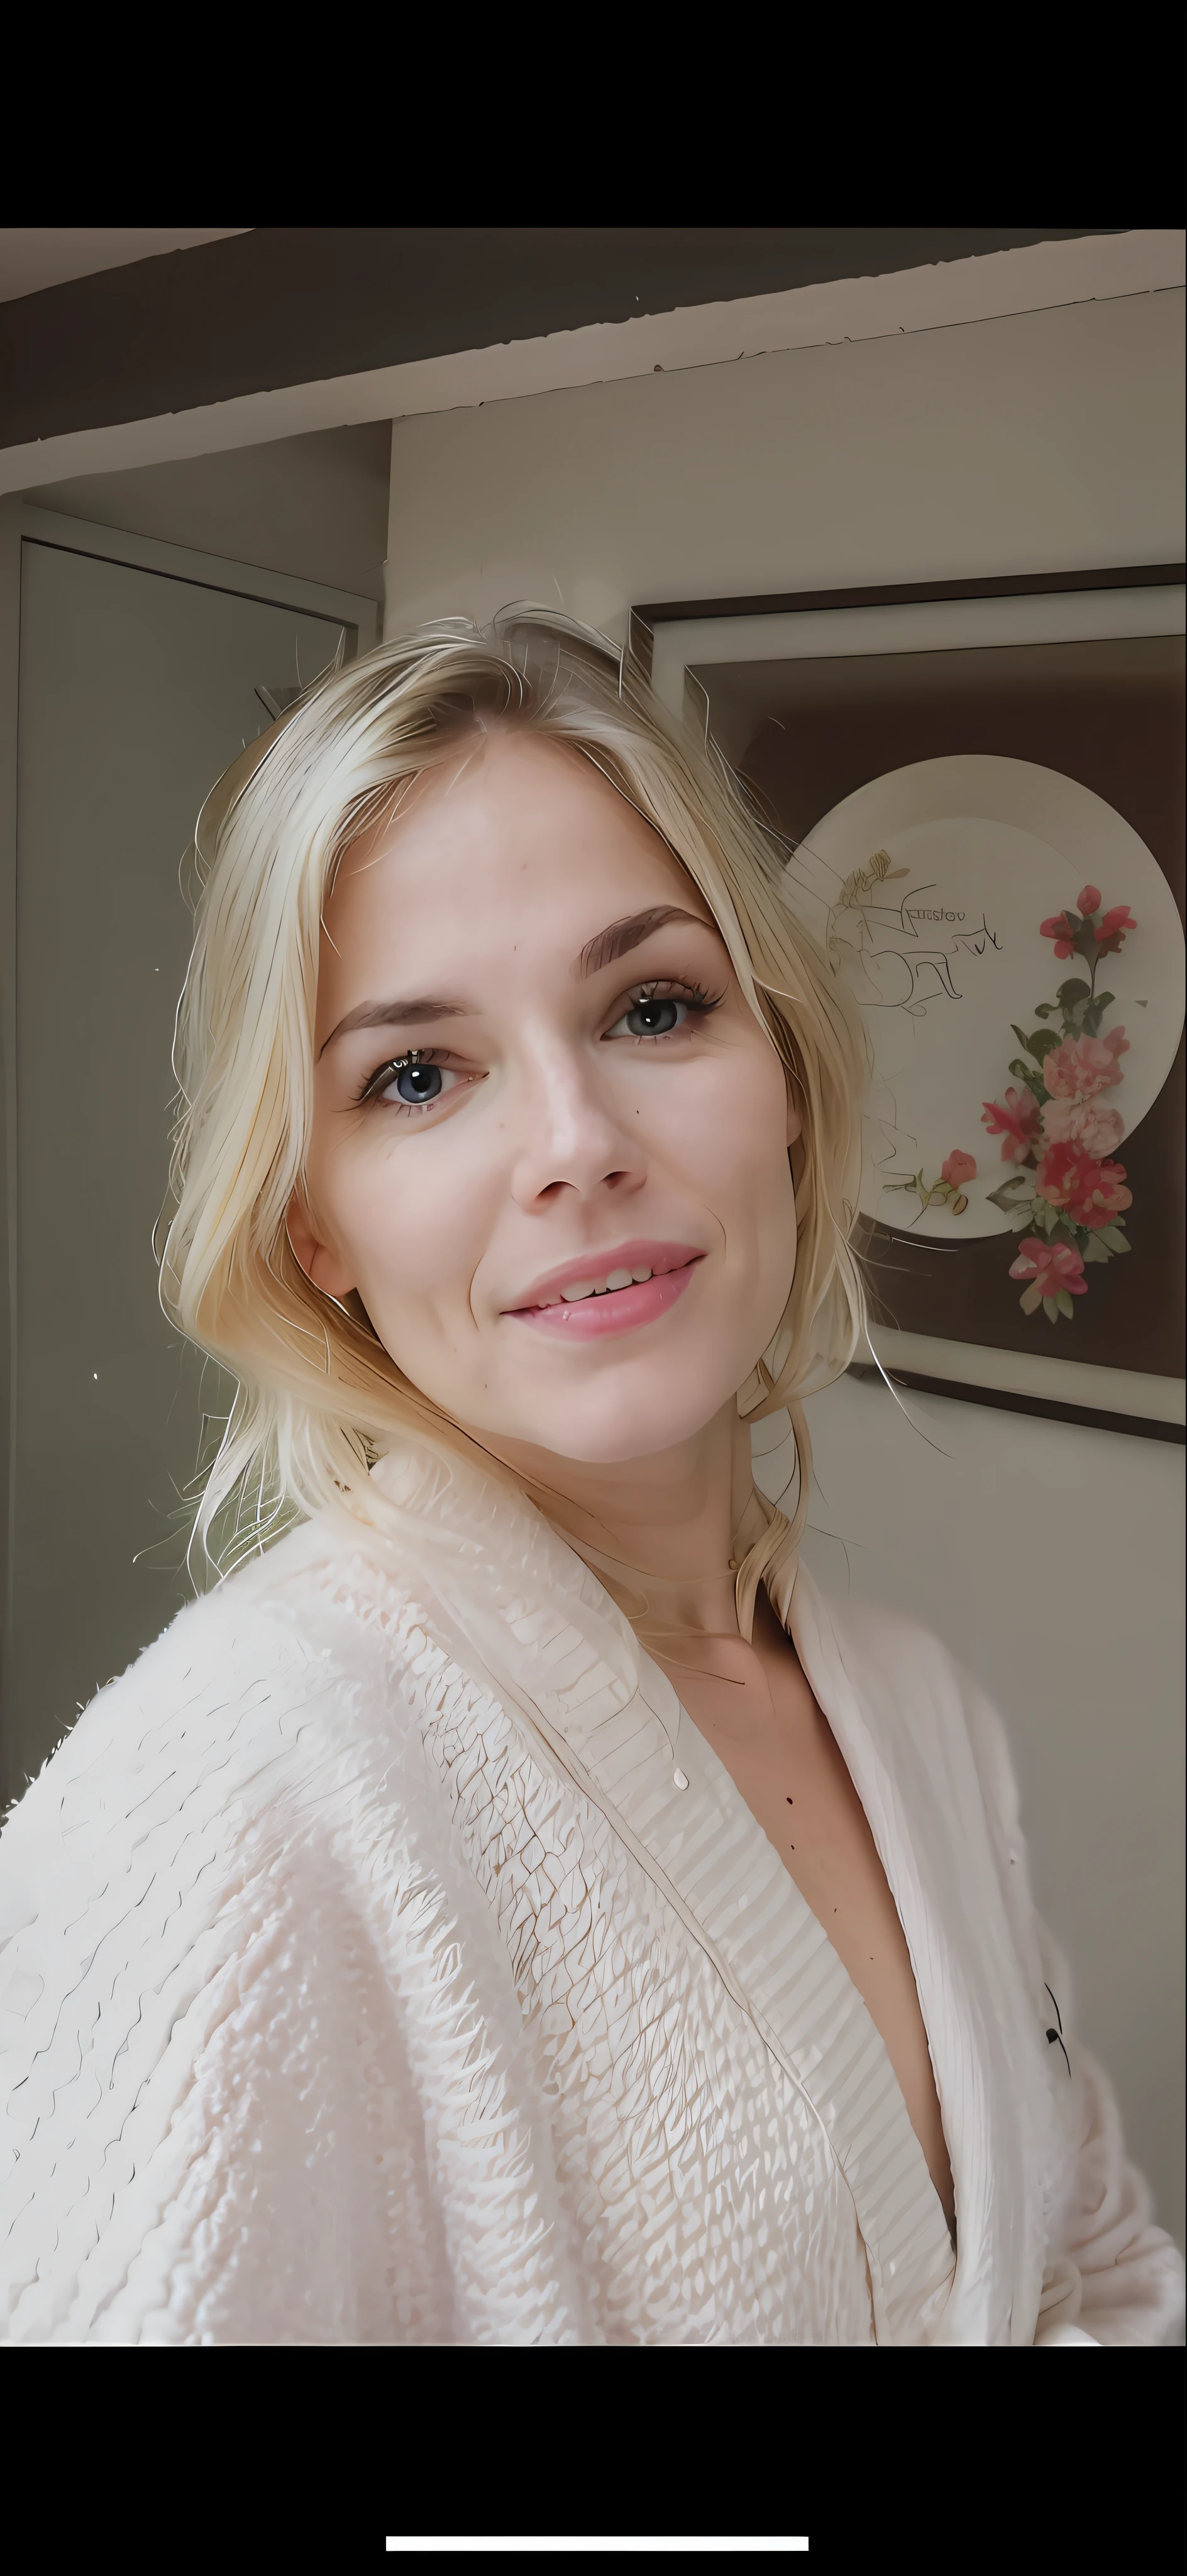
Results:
<point x="664" y="1782"/>
<point x="899" y="1722"/>
<point x="515" y="1602"/>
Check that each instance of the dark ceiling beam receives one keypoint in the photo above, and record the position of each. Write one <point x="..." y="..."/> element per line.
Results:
<point x="289" y="305"/>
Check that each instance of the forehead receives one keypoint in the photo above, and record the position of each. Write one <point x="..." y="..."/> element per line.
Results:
<point x="513" y="826"/>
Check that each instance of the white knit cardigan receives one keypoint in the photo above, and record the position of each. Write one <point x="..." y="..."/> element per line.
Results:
<point x="388" y="1960"/>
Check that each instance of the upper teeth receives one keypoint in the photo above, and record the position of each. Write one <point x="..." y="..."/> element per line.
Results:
<point x="597" y="1287"/>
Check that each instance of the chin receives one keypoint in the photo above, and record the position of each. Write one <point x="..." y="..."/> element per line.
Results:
<point x="607" y="1433"/>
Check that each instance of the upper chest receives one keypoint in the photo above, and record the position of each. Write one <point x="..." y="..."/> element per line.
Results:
<point x="757" y="1710"/>
<point x="755" y="1707"/>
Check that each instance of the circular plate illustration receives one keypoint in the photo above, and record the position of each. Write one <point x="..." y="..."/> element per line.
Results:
<point x="927" y="888"/>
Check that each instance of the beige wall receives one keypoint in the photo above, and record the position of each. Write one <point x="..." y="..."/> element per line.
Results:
<point x="1048" y="1555"/>
<point x="314" y="506"/>
<point x="1043" y="441"/>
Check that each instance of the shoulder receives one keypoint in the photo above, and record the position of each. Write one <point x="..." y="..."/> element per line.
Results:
<point x="256" y="1743"/>
<point x="221" y="1708"/>
<point x="190" y="1892"/>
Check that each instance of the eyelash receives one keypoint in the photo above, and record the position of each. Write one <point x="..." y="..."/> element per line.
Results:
<point x="658" y="989"/>
<point x="386" y="1072"/>
<point x="661" y="988"/>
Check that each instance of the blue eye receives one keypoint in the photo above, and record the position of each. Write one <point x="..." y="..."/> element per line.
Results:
<point x="652" y="1017"/>
<point x="416" y="1084"/>
<point x="410" y="1083"/>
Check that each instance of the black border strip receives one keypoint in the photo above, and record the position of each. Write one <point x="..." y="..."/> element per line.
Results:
<point x="1048" y="1408"/>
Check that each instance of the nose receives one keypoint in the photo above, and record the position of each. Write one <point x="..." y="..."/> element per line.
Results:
<point x="569" y="1137"/>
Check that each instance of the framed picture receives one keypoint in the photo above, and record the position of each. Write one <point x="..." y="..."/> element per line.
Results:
<point x="981" y="789"/>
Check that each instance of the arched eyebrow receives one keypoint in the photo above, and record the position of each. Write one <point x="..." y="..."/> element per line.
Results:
<point x="607" y="945"/>
<point x="393" y="1015"/>
<point x="621" y="936"/>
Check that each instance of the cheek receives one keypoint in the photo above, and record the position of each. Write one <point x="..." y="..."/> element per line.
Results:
<point x="730" y="1137"/>
<point x="745" y="1174"/>
<point x="764" y="1207"/>
<point x="409" y="1223"/>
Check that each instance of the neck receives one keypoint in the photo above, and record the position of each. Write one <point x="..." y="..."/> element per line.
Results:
<point x="678" y="1515"/>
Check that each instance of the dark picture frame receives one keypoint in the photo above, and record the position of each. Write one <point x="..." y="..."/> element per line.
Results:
<point x="1073" y="684"/>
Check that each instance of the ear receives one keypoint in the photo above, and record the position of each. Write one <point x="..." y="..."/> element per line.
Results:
<point x="318" y="1260"/>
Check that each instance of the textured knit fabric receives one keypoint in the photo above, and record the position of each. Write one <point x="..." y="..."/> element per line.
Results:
<point x="388" y="1960"/>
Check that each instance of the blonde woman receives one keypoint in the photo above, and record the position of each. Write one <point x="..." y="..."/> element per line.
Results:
<point x="512" y="1906"/>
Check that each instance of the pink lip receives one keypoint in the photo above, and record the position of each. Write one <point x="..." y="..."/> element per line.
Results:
<point x="623" y="1310"/>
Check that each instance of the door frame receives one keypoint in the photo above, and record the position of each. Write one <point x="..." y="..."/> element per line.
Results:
<point x="22" y="524"/>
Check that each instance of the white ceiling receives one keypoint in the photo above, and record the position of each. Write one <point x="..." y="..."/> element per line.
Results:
<point x="37" y="255"/>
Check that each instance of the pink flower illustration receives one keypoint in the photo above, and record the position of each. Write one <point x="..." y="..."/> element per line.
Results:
<point x="1083" y="1122"/>
<point x="1049" y="1267"/>
<point x="957" y="1168"/>
<point x="1061" y="1131"/>
<point x="1085" y="1192"/>
<point x="1061" y="930"/>
<point x="1083" y="1066"/>
<point x="1074" y="932"/>
<point x="1111" y="928"/>
<point x="1017" y="1123"/>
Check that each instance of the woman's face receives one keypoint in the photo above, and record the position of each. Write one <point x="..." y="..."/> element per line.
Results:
<point x="536" y="1079"/>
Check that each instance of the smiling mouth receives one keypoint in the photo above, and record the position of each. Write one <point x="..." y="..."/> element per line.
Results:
<point x="611" y="1286"/>
<point x="596" y="1303"/>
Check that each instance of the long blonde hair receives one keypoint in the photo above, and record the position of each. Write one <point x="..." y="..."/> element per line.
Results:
<point x="318" y="1395"/>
